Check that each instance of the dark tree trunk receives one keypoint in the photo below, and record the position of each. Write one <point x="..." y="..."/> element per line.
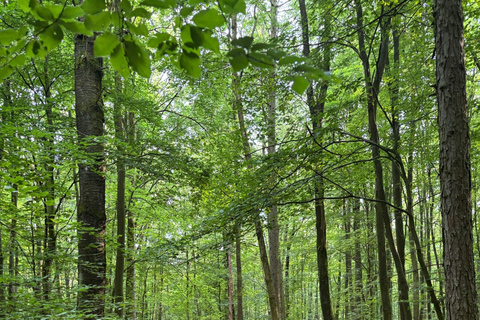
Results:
<point x="237" y="107"/>
<point x="130" y="283"/>
<point x="50" y="241"/>
<point x="238" y="259"/>
<point x="383" y="227"/>
<point x="316" y="113"/>
<point x="91" y="207"/>
<point x="455" y="180"/>
<point x="121" y="217"/>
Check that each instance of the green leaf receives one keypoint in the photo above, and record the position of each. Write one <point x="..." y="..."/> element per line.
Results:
<point x="8" y="36"/>
<point x="98" y="22"/>
<point x="209" y="42"/>
<point x="158" y="38"/>
<point x="126" y="6"/>
<point x="140" y="29"/>
<point x="24" y="5"/>
<point x="105" y="44"/>
<point x="238" y="59"/>
<point x="34" y="49"/>
<point x="167" y="47"/>
<point x="72" y="12"/>
<point x="140" y="12"/>
<point x="19" y="60"/>
<point x="233" y="6"/>
<point x="186" y="11"/>
<point x="276" y="54"/>
<point x="310" y="72"/>
<point x="192" y="36"/>
<point x="76" y="27"/>
<point x="290" y="60"/>
<point x="5" y="72"/>
<point x="262" y="46"/>
<point x="245" y="42"/>
<point x="93" y="6"/>
<point x="43" y="13"/>
<point x="261" y="60"/>
<point x="191" y="62"/>
<point x="300" y="84"/>
<point x="119" y="61"/>
<point x="209" y="18"/>
<point x="160" y="4"/>
<point x="55" y="9"/>
<point x="52" y="36"/>
<point x="196" y="2"/>
<point x="138" y="59"/>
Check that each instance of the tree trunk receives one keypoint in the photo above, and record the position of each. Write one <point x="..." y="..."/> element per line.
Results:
<point x="455" y="180"/>
<point x="316" y="113"/>
<point x="273" y="227"/>
<point x="381" y="211"/>
<point x="237" y="107"/>
<point x="238" y="259"/>
<point x="120" y="259"/>
<point x="91" y="207"/>
<point x="50" y="241"/>
<point x="130" y="283"/>
<point x="13" y="254"/>
<point x="396" y="179"/>
<point x="359" y="301"/>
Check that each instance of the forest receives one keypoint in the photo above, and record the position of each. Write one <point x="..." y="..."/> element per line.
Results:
<point x="239" y="159"/>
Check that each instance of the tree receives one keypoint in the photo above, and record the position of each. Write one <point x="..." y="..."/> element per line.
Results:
<point x="91" y="206"/>
<point x="455" y="180"/>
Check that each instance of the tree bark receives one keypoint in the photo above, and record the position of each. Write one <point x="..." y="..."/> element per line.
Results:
<point x="273" y="226"/>
<point x="121" y="217"/>
<point x="238" y="262"/>
<point x="455" y="180"/>
<point x="91" y="207"/>
<point x="50" y="241"/>
<point x="383" y="227"/>
<point x="316" y="113"/>
<point x="237" y="107"/>
<point x="130" y="283"/>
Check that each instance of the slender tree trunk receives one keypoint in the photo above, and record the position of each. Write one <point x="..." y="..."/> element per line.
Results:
<point x="348" y="269"/>
<point x="359" y="301"/>
<point x="455" y="179"/>
<point x="237" y="106"/>
<point x="130" y="283"/>
<point x="316" y="113"/>
<point x="273" y="226"/>
<point x="238" y="260"/>
<point x="396" y="179"/>
<point x="121" y="217"/>
<point x="230" y="283"/>
<point x="50" y="242"/>
<point x="13" y="254"/>
<point x="91" y="207"/>
<point x="382" y="216"/>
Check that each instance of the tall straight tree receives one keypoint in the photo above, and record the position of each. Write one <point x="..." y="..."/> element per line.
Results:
<point x="91" y="206"/>
<point x="273" y="227"/>
<point x="455" y="180"/>
<point x="316" y="107"/>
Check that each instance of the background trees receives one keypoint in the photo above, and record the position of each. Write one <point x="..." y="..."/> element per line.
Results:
<point x="233" y="121"/>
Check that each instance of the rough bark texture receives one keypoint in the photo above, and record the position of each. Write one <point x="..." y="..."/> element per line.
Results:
<point x="91" y="205"/>
<point x="455" y="180"/>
